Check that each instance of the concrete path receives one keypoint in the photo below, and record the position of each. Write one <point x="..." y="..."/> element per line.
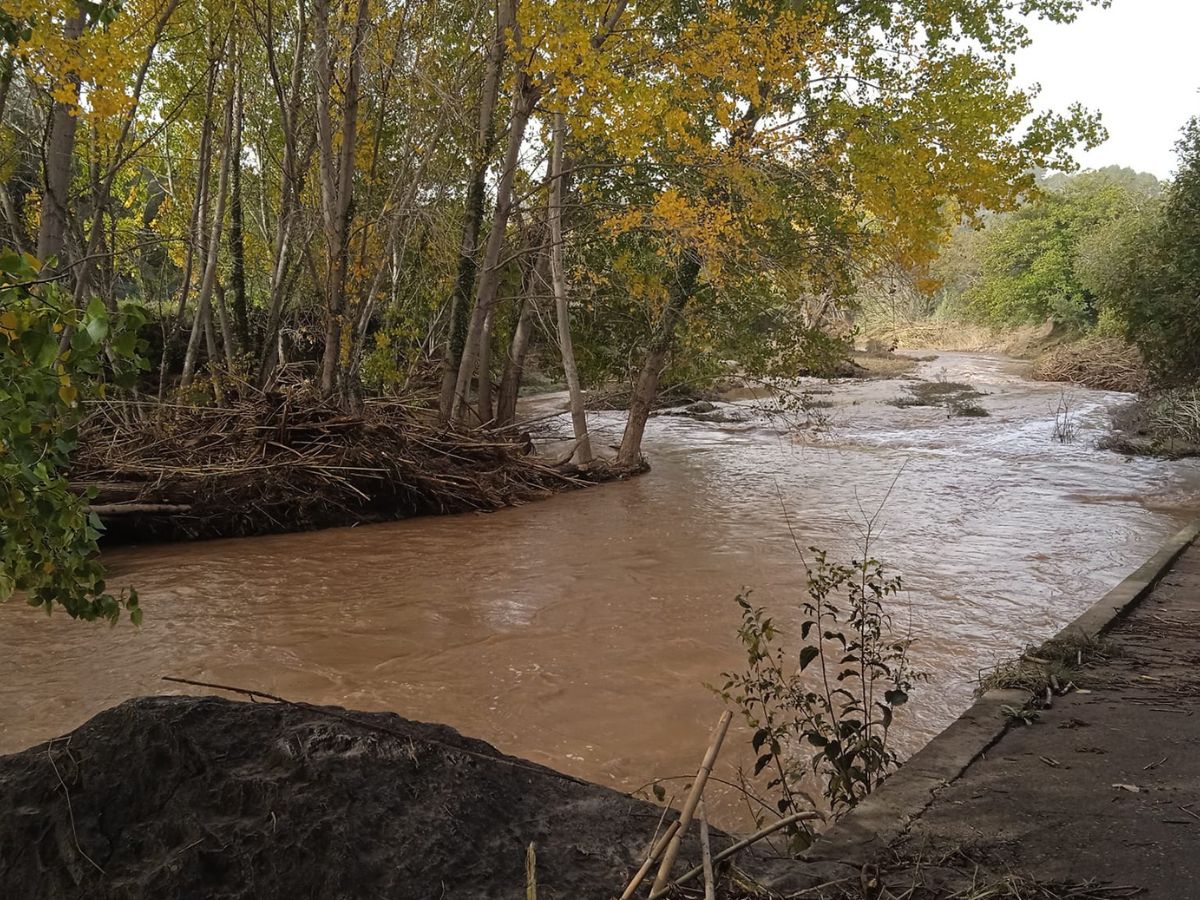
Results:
<point x="1097" y="798"/>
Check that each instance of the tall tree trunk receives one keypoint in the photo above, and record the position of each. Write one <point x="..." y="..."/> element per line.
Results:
<point x="237" y="233"/>
<point x="483" y="386"/>
<point x="289" y="111"/>
<point x="524" y="99"/>
<point x="485" y="144"/>
<point x="558" y="280"/>
<point x="337" y="177"/>
<point x="197" y="227"/>
<point x="212" y="252"/>
<point x="526" y="93"/>
<point x="60" y="147"/>
<point x="536" y="274"/>
<point x="646" y="390"/>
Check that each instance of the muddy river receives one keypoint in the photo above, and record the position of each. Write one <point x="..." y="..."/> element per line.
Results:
<point x="580" y="631"/>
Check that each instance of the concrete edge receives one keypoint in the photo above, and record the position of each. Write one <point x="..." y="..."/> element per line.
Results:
<point x="880" y="819"/>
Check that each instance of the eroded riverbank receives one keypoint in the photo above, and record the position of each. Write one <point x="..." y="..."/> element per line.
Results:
<point x="579" y="631"/>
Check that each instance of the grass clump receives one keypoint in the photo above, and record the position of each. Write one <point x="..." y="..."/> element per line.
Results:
<point x="968" y="411"/>
<point x="1050" y="666"/>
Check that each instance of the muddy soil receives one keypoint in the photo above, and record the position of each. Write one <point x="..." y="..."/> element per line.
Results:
<point x="174" y="797"/>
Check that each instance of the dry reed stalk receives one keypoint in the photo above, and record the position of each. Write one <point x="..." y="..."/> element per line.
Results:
<point x="655" y="853"/>
<point x="693" y="800"/>
<point x="710" y="887"/>
<point x="531" y="872"/>
<point x="741" y="845"/>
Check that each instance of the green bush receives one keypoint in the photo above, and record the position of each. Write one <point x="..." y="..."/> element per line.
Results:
<point x="52" y="358"/>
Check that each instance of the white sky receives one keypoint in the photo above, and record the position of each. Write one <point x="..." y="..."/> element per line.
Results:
<point x="1137" y="63"/>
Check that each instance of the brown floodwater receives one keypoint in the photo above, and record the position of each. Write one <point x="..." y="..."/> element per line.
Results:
<point x="580" y="631"/>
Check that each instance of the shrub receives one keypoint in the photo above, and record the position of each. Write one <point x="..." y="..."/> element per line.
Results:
<point x="838" y="693"/>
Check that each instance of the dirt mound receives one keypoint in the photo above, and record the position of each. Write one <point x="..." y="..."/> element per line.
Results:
<point x="185" y="797"/>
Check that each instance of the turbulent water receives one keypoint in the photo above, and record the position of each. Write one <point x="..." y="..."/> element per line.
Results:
<point x="580" y="631"/>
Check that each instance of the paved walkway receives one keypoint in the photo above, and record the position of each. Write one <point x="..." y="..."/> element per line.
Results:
<point x="1103" y="789"/>
<point x="1045" y="800"/>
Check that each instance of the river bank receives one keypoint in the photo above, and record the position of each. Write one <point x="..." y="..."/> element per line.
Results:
<point x="579" y="631"/>
<point x="1092" y="795"/>
<point x="174" y="798"/>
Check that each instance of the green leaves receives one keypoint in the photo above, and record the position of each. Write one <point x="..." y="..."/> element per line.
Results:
<point x="807" y="655"/>
<point x="832" y="707"/>
<point x="48" y="536"/>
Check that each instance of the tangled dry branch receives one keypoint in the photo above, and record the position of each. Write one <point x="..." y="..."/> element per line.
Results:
<point x="289" y="460"/>
<point x="1103" y="363"/>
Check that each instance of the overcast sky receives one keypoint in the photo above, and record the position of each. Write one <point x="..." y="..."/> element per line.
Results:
<point x="1137" y="62"/>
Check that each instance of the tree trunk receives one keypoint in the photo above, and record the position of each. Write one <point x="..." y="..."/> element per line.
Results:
<point x="198" y="224"/>
<point x="514" y="367"/>
<point x="337" y="177"/>
<point x="558" y="280"/>
<point x="60" y="147"/>
<point x="646" y="390"/>
<point x="237" y="233"/>
<point x="212" y="252"/>
<point x="524" y="99"/>
<point x="485" y="143"/>
<point x="289" y="112"/>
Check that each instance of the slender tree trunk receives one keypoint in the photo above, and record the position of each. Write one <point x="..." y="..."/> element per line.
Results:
<point x="558" y="280"/>
<point x="210" y="341"/>
<point x="646" y="390"/>
<point x="237" y="232"/>
<point x="485" y="143"/>
<point x="60" y="146"/>
<point x="197" y="226"/>
<point x="337" y="177"/>
<point x="7" y="66"/>
<point x="228" y="341"/>
<point x="289" y="110"/>
<point x="524" y="99"/>
<point x="483" y="386"/>
<point x="537" y="274"/>
<point x="526" y="94"/>
<point x="212" y="252"/>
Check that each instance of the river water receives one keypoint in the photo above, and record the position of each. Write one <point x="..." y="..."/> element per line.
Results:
<point x="580" y="631"/>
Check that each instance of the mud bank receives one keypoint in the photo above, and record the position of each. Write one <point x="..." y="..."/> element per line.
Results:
<point x="183" y="797"/>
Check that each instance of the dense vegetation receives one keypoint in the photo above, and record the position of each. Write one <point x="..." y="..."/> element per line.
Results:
<point x="1108" y="253"/>
<point x="413" y="197"/>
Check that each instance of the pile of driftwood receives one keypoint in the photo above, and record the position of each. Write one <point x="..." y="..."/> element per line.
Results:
<point x="1104" y="363"/>
<point x="290" y="461"/>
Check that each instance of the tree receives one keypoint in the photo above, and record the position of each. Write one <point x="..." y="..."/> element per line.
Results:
<point x="1031" y="265"/>
<point x="1150" y="273"/>
<point x="47" y="534"/>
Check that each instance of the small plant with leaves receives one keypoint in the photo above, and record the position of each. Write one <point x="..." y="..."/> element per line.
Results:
<point x="52" y="358"/>
<point x="837" y="693"/>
